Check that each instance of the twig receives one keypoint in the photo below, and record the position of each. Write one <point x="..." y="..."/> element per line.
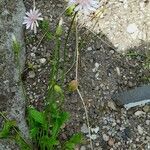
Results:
<point x="87" y="118"/>
<point x="41" y="40"/>
<point x="33" y="3"/>
<point x="85" y="109"/>
<point x="77" y="52"/>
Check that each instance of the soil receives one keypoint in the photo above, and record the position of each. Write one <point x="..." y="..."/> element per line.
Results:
<point x="102" y="72"/>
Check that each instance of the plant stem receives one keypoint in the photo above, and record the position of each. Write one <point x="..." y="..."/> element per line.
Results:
<point x="65" y="46"/>
<point x="76" y="78"/>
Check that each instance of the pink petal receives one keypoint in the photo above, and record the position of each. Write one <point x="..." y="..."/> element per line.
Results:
<point x="32" y="25"/>
<point x="39" y="18"/>
<point x="37" y="24"/>
<point x="28" y="14"/>
<point x="27" y="26"/>
<point x="35" y="30"/>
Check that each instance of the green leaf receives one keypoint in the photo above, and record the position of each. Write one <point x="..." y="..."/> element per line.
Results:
<point x="48" y="142"/>
<point x="58" y="89"/>
<point x="74" y="140"/>
<point x="49" y="36"/>
<point x="45" y="25"/>
<point x="69" y="146"/>
<point x="6" y="129"/>
<point x="21" y="143"/>
<point x="37" y="116"/>
<point x="70" y="10"/>
<point x="59" y="31"/>
<point x="16" y="46"/>
<point x="34" y="132"/>
<point x="62" y="118"/>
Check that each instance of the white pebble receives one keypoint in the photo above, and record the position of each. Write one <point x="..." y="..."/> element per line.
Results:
<point x="95" y="129"/>
<point x="84" y="129"/>
<point x="96" y="65"/>
<point x="105" y="137"/>
<point x="148" y="122"/>
<point x="132" y="28"/>
<point x="89" y="48"/>
<point x="42" y="60"/>
<point x="32" y="54"/>
<point x="93" y="136"/>
<point x="140" y="129"/>
<point x="139" y="113"/>
<point x="82" y="148"/>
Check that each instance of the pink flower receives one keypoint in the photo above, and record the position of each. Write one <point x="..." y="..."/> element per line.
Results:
<point x="84" y="6"/>
<point x="31" y="19"/>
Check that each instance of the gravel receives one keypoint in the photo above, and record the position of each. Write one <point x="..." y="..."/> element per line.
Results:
<point x="102" y="72"/>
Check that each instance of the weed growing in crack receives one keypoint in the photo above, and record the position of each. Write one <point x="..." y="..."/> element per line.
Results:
<point x="44" y="126"/>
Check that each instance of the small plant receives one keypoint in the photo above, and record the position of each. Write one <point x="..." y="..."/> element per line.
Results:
<point x="132" y="54"/>
<point x="45" y="126"/>
<point x="145" y="58"/>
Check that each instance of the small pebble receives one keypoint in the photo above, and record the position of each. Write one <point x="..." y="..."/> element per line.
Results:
<point x="105" y="137"/>
<point x="95" y="129"/>
<point x="31" y="74"/>
<point x="111" y="142"/>
<point x="89" y="48"/>
<point x="84" y="129"/>
<point x="140" y="129"/>
<point x="148" y="122"/>
<point x="132" y="28"/>
<point x="139" y="113"/>
<point x="93" y="136"/>
<point x="32" y="54"/>
<point x="112" y="105"/>
<point x="42" y="60"/>
<point x="146" y="108"/>
<point x="118" y="71"/>
<point x="97" y="144"/>
<point x="83" y="148"/>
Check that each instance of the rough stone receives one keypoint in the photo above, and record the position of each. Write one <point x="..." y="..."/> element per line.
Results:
<point x="134" y="97"/>
<point x="84" y="128"/>
<point x="146" y="108"/>
<point x="11" y="93"/>
<point x="112" y="105"/>
<point x="125" y="23"/>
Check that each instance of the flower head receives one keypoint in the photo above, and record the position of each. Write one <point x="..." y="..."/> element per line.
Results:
<point x="31" y="19"/>
<point x="84" y="6"/>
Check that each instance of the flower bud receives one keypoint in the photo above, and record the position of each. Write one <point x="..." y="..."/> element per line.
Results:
<point x="58" y="89"/>
<point x="59" y="28"/>
<point x="73" y="85"/>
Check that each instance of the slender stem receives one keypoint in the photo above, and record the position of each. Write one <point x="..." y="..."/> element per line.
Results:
<point x="77" y="52"/>
<point x="41" y="39"/>
<point x="85" y="109"/>
<point x="33" y="3"/>
<point x="87" y="118"/>
<point x="58" y="53"/>
<point x="65" y="46"/>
